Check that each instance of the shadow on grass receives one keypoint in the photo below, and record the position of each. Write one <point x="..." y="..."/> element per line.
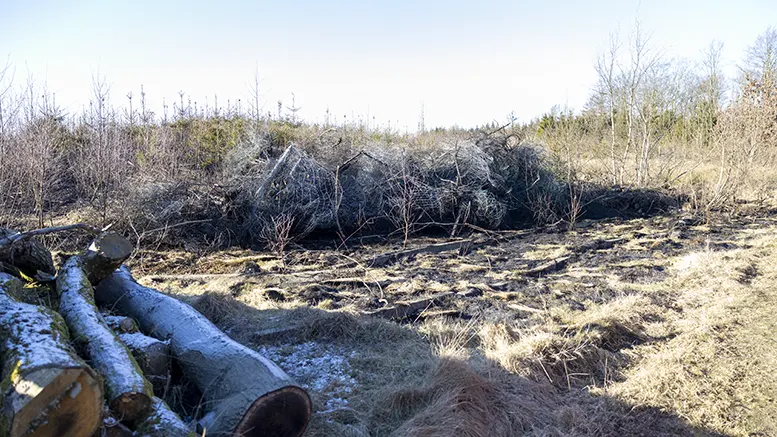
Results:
<point x="372" y="377"/>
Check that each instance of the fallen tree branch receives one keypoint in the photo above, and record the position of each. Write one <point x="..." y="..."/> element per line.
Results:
<point x="597" y="245"/>
<point x="429" y="314"/>
<point x="356" y="282"/>
<point x="273" y="334"/>
<point x="463" y="246"/>
<point x="177" y="225"/>
<point x="524" y="308"/>
<point x="188" y="277"/>
<point x="551" y="266"/>
<point x="404" y="310"/>
<point x="18" y="236"/>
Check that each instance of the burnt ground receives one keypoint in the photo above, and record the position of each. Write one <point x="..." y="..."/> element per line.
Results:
<point x="595" y="262"/>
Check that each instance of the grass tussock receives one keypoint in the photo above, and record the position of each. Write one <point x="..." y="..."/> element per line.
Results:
<point x="218" y="307"/>
<point x="545" y="355"/>
<point x="455" y="401"/>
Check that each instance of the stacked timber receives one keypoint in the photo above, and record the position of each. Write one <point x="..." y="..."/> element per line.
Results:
<point x="81" y="369"/>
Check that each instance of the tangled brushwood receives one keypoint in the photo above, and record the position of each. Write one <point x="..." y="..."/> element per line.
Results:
<point x="482" y="183"/>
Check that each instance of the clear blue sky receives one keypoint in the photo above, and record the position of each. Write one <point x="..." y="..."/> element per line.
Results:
<point x="468" y="62"/>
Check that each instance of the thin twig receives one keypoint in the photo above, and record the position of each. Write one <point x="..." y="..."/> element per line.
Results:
<point x="14" y="238"/>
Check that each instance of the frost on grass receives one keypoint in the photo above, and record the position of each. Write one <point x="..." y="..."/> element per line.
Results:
<point x="322" y="369"/>
<point x="688" y="262"/>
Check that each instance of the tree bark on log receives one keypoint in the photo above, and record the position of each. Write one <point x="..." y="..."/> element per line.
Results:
<point x="162" y="422"/>
<point x="127" y="391"/>
<point x="30" y="256"/>
<point x="152" y="355"/>
<point x="106" y="253"/>
<point x="249" y="395"/>
<point x="47" y="390"/>
<point x="121" y="324"/>
<point x="548" y="267"/>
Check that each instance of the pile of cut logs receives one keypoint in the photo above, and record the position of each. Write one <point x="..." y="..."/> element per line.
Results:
<point x="96" y="361"/>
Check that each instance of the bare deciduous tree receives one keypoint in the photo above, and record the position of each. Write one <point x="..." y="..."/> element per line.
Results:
<point x="605" y="68"/>
<point x="761" y="59"/>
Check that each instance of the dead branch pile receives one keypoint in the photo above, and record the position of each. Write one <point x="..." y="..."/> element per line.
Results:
<point x="73" y="368"/>
<point x="270" y="196"/>
<point x="296" y="188"/>
<point x="485" y="182"/>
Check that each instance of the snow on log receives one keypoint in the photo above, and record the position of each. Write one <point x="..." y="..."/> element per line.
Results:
<point x="152" y="355"/>
<point x="47" y="390"/>
<point x="30" y="256"/>
<point x="127" y="391"/>
<point x="162" y="422"/>
<point x="121" y="324"/>
<point x="248" y="394"/>
<point x="104" y="255"/>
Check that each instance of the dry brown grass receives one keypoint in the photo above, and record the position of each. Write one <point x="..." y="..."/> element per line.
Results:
<point x="570" y="348"/>
<point x="716" y="371"/>
<point x="456" y="400"/>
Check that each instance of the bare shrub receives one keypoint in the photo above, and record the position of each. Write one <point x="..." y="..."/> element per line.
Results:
<point x="543" y="208"/>
<point x="276" y="233"/>
<point x="43" y="140"/>
<point x="407" y="199"/>
<point x="172" y="213"/>
<point x="102" y="154"/>
<point x="456" y="401"/>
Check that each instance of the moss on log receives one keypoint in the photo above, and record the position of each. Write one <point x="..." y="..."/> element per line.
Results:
<point x="46" y="390"/>
<point x="127" y="391"/>
<point x="162" y="422"/>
